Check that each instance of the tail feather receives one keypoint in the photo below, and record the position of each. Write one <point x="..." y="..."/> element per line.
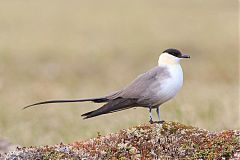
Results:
<point x="96" y="100"/>
<point x="112" y="106"/>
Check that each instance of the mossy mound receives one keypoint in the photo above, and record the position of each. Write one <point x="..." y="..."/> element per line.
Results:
<point x="169" y="140"/>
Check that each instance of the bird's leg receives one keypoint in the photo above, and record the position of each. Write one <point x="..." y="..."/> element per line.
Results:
<point x="150" y="112"/>
<point x="158" y="113"/>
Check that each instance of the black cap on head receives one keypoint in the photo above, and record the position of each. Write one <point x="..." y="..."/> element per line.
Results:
<point x="176" y="53"/>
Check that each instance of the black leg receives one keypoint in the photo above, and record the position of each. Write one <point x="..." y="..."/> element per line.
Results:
<point x="150" y="113"/>
<point x="158" y="113"/>
<point x="159" y="119"/>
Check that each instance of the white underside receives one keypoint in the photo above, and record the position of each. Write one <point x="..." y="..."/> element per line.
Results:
<point x="170" y="86"/>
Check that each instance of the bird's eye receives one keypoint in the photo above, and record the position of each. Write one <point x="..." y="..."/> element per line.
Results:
<point x="176" y="54"/>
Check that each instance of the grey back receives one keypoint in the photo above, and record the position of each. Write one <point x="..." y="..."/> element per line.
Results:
<point x="144" y="87"/>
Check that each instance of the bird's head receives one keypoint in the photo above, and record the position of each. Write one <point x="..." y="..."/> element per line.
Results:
<point x="171" y="56"/>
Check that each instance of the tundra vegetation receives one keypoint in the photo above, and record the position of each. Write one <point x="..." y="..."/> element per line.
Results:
<point x="169" y="140"/>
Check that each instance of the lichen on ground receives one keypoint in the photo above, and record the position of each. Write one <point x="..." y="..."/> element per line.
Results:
<point x="170" y="140"/>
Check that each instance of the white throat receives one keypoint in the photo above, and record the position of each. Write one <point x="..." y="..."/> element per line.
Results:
<point x="165" y="59"/>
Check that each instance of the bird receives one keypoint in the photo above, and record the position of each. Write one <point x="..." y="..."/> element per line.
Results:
<point x="149" y="90"/>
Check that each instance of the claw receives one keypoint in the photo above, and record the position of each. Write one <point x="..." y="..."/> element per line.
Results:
<point x="151" y="121"/>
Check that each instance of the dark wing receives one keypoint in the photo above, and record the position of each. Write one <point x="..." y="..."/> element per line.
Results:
<point x="112" y="106"/>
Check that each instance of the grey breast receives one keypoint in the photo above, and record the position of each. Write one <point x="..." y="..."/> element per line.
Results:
<point x="143" y="88"/>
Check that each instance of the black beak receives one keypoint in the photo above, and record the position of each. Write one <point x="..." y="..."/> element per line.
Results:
<point x="185" y="56"/>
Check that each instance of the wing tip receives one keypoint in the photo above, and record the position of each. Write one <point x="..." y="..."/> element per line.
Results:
<point x="87" y="115"/>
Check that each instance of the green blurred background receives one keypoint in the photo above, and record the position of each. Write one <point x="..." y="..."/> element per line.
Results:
<point x="76" y="49"/>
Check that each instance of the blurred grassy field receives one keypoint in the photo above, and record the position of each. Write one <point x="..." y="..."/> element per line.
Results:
<point x="75" y="49"/>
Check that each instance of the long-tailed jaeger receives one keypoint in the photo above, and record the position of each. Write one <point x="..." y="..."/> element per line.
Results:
<point x="150" y="89"/>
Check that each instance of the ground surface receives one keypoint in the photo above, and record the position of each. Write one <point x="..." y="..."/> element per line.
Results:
<point x="156" y="141"/>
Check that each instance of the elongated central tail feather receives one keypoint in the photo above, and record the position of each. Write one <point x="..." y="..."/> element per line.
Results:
<point x="96" y="100"/>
